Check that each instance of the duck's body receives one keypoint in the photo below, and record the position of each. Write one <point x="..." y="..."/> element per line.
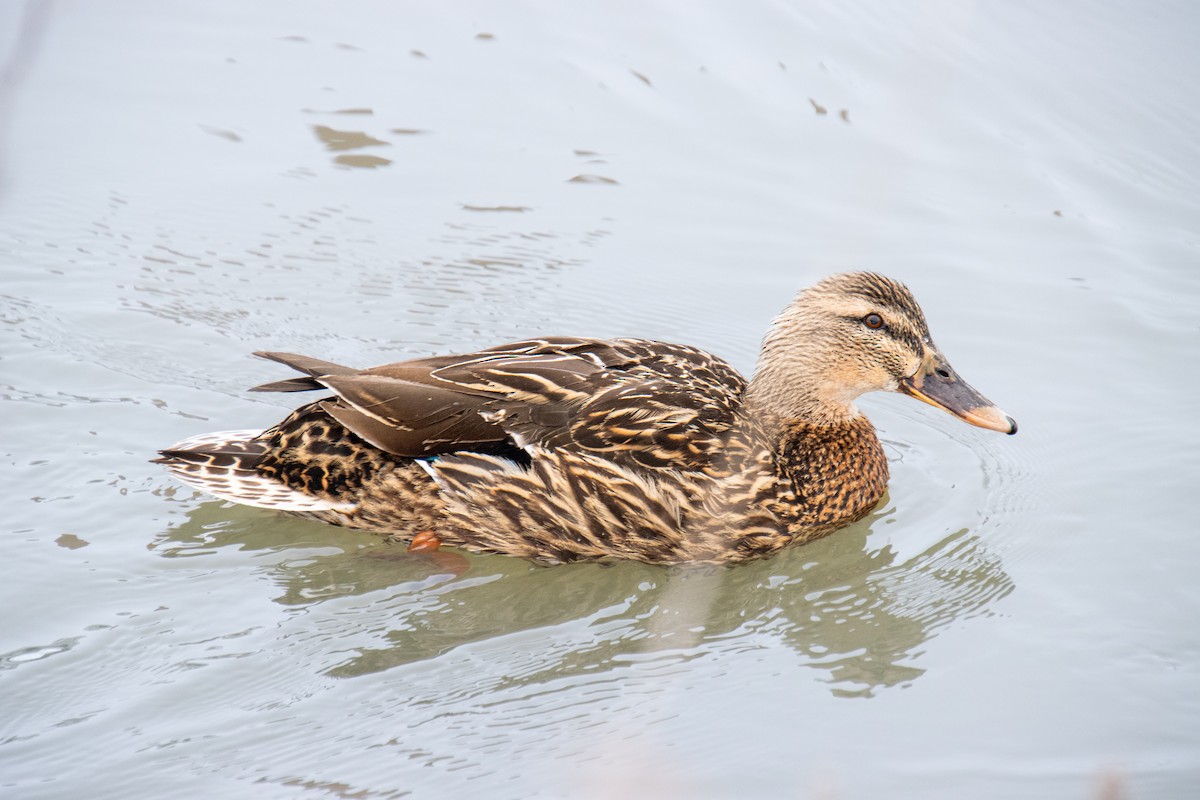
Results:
<point x="563" y="449"/>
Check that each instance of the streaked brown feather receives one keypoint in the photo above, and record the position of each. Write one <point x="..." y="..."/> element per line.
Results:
<point x="412" y="419"/>
<point x="606" y="397"/>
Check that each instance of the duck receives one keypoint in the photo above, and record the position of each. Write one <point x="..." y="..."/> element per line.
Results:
<point x="562" y="449"/>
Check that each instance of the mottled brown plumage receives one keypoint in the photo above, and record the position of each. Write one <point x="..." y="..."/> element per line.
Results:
<point x="562" y="449"/>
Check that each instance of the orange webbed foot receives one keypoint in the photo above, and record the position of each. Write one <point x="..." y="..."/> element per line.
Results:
<point x="425" y="547"/>
<point x="424" y="542"/>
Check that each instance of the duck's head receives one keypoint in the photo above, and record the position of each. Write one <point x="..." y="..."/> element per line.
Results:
<point x="855" y="333"/>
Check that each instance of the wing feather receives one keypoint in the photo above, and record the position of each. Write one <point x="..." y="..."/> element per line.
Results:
<point x="634" y="402"/>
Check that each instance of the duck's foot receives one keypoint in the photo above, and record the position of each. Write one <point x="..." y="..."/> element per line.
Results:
<point x="424" y="542"/>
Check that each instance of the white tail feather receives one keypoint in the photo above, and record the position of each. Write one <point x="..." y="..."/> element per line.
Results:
<point x="228" y="478"/>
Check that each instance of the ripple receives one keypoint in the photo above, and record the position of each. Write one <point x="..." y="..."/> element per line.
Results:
<point x="26" y="655"/>
<point x="946" y="474"/>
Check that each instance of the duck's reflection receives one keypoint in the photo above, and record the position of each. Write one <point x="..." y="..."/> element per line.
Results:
<point x="857" y="614"/>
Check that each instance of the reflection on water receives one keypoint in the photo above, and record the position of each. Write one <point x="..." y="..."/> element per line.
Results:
<point x="858" y="615"/>
<point x="337" y="140"/>
<point x="346" y="140"/>
<point x="25" y="655"/>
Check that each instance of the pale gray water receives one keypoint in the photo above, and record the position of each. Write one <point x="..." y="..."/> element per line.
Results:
<point x="185" y="183"/>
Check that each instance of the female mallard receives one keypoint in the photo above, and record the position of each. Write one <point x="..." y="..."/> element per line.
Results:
<point x="561" y="449"/>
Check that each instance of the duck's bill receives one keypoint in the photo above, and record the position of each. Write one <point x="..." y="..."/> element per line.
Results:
<point x="940" y="386"/>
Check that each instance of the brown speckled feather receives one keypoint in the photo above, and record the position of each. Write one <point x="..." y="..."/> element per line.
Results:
<point x="624" y="398"/>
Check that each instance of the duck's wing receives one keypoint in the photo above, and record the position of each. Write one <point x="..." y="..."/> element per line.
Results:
<point x="674" y="414"/>
<point x="634" y="401"/>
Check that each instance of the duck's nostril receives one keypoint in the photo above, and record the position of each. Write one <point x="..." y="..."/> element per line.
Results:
<point x="942" y="373"/>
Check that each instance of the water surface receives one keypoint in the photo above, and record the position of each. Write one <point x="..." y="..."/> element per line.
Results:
<point x="182" y="186"/>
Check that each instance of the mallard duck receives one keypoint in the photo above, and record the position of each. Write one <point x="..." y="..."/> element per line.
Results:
<point x="564" y="449"/>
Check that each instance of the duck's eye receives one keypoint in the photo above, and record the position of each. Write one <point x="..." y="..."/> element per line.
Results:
<point x="873" y="321"/>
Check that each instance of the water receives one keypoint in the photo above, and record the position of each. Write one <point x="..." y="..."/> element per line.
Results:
<point x="184" y="185"/>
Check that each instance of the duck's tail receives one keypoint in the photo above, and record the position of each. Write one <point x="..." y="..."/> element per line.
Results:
<point x="225" y="465"/>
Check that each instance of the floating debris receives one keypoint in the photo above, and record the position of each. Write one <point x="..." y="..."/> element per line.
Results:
<point x="592" y="179"/>
<point x="366" y="111"/>
<point x="346" y="140"/>
<point x="71" y="541"/>
<point x="361" y="161"/>
<point x="221" y="132"/>
<point x="515" y="209"/>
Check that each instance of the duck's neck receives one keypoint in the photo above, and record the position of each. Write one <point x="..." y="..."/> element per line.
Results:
<point x="796" y="378"/>
<point x="831" y="466"/>
<point x="792" y="392"/>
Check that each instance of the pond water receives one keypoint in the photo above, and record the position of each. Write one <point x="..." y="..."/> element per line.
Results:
<point x="181" y="185"/>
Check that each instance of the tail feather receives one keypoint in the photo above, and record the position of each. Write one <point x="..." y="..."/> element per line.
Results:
<point x="314" y="368"/>
<point x="225" y="465"/>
